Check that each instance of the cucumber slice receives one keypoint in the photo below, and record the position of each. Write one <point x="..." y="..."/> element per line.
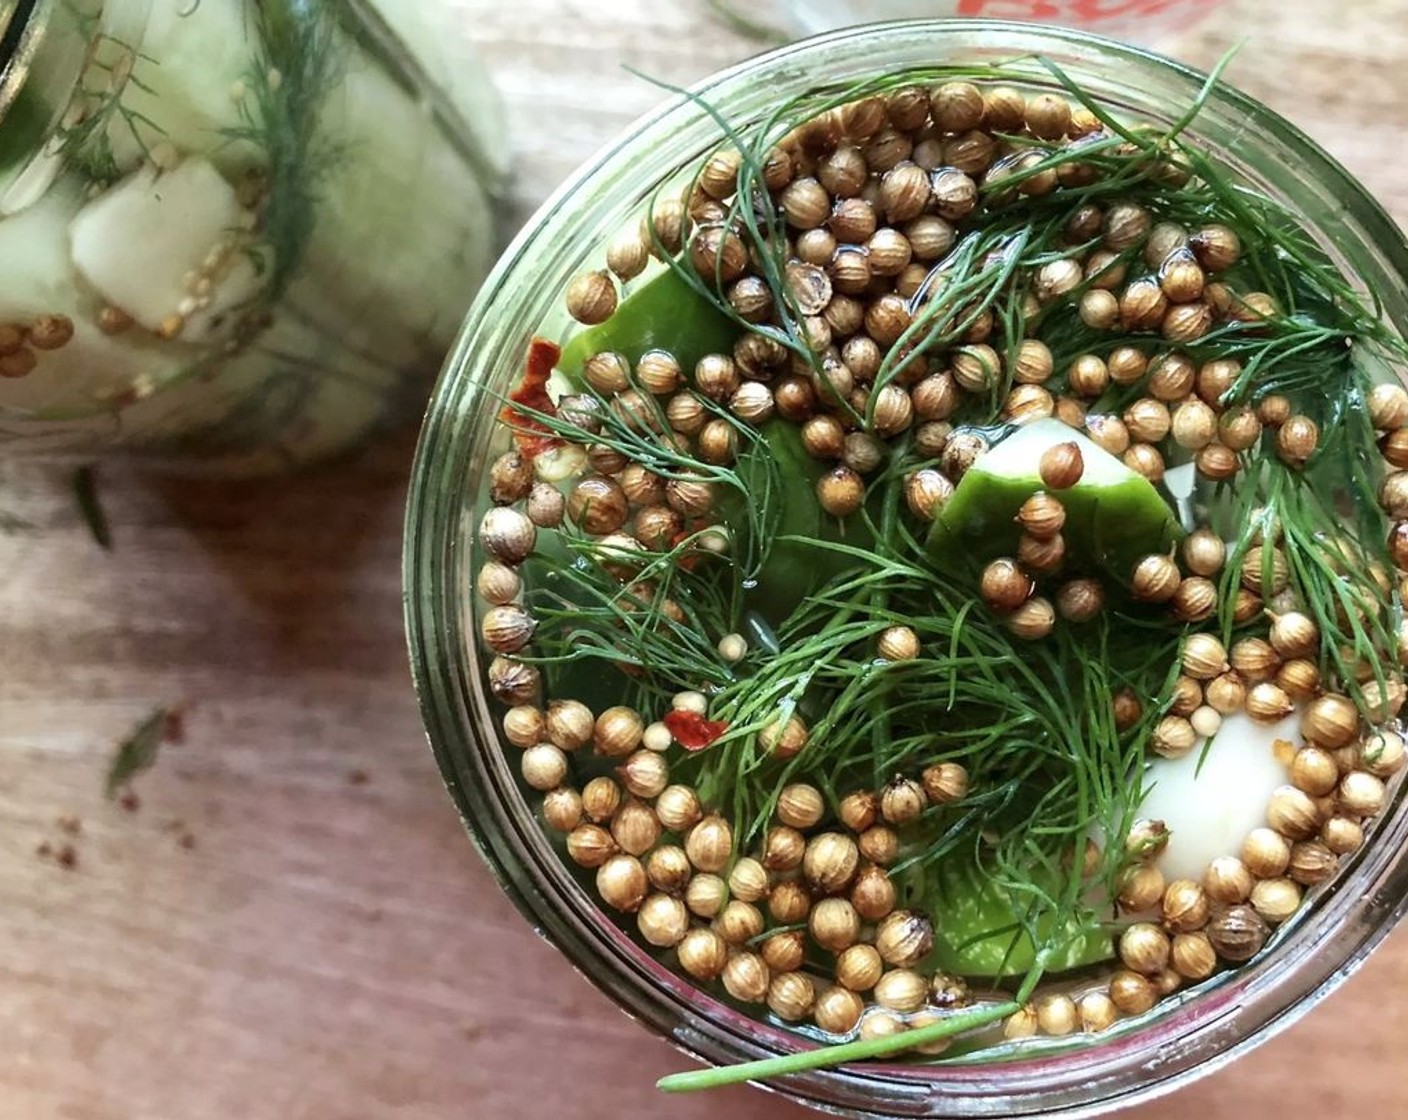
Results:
<point x="194" y="59"/>
<point x="1114" y="515"/>
<point x="138" y="242"/>
<point x="665" y="313"/>
<point x="83" y="377"/>
<point x="975" y="928"/>
<point x="402" y="233"/>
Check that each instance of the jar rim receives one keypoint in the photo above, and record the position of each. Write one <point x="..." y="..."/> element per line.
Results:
<point x="1184" y="1037"/>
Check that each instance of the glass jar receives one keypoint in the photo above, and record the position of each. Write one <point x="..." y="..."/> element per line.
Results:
<point x="235" y="234"/>
<point x="1146" y="22"/>
<point x="1185" y="1036"/>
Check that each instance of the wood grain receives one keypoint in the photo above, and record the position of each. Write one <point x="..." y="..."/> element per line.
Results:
<point x="330" y="948"/>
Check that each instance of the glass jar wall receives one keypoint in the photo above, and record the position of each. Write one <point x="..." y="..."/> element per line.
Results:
<point x="236" y="234"/>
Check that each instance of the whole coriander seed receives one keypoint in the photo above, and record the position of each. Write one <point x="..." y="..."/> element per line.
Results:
<point x="591" y="297"/>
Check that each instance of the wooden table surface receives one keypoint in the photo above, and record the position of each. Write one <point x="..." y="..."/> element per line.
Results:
<point x="292" y="926"/>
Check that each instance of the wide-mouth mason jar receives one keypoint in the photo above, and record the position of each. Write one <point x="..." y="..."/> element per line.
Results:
<point x="1184" y="1036"/>
<point x="239" y="236"/>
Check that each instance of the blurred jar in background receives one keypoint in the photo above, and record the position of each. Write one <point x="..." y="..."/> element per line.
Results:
<point x="235" y="235"/>
<point x="1145" y="22"/>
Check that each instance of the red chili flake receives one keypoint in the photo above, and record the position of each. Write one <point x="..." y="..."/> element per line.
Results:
<point x="693" y="731"/>
<point x="532" y="393"/>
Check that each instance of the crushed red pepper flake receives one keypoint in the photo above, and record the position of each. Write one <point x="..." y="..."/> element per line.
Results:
<point x="532" y="393"/>
<point x="692" y="731"/>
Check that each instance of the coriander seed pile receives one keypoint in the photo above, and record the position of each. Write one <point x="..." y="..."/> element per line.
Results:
<point x="945" y="593"/>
